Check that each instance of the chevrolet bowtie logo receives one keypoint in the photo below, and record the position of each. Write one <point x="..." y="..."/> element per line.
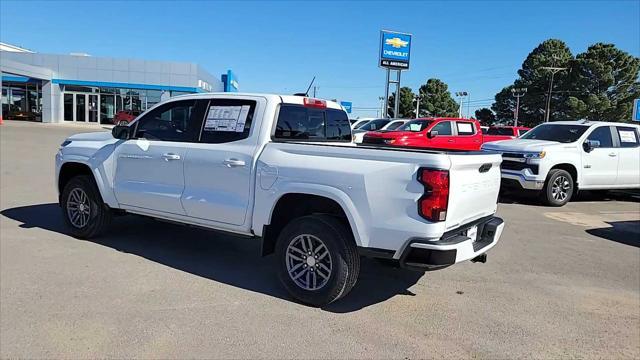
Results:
<point x="396" y="42"/>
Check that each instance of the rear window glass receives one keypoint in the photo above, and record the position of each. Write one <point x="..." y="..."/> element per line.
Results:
<point x="301" y="123"/>
<point x="628" y="136"/>
<point x="500" y="131"/>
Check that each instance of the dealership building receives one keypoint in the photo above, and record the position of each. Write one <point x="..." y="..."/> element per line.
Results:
<point x="86" y="89"/>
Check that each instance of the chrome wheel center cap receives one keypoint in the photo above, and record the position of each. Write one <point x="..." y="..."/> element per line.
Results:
<point x="81" y="207"/>
<point x="311" y="261"/>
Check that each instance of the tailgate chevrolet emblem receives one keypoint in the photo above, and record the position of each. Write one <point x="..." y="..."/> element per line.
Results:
<point x="484" y="168"/>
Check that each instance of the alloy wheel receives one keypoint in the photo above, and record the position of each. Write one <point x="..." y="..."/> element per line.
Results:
<point x="308" y="262"/>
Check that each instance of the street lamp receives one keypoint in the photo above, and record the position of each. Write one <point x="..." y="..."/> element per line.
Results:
<point x="418" y="98"/>
<point x="381" y="98"/>
<point x="517" y="93"/>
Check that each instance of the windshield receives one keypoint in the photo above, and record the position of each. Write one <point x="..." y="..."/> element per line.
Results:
<point x="374" y="125"/>
<point x="560" y="133"/>
<point x="359" y="124"/>
<point x="415" y="125"/>
<point x="500" y="131"/>
<point x="394" y="125"/>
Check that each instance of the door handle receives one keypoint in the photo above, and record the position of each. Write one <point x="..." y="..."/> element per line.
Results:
<point x="233" y="163"/>
<point x="450" y="140"/>
<point x="612" y="154"/>
<point x="170" y="156"/>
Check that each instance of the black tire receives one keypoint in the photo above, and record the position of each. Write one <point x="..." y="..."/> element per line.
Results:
<point x="345" y="261"/>
<point x="99" y="215"/>
<point x="550" y="194"/>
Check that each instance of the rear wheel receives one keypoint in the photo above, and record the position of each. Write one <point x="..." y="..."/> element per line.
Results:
<point x="83" y="209"/>
<point x="558" y="188"/>
<point x="318" y="259"/>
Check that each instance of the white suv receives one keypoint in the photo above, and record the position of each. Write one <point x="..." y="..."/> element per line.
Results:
<point x="558" y="158"/>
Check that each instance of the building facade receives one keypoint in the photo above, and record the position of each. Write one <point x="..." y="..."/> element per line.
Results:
<point x="80" y="88"/>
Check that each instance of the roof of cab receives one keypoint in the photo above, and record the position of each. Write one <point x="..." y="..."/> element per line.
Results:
<point x="287" y="99"/>
<point x="589" y="123"/>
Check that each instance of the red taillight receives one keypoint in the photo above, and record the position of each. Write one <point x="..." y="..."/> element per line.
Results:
<point x="315" y="103"/>
<point x="433" y="204"/>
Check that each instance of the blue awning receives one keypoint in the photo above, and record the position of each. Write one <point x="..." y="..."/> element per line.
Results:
<point x="16" y="78"/>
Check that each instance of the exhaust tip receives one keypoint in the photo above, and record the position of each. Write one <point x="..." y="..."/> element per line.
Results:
<point x="480" y="258"/>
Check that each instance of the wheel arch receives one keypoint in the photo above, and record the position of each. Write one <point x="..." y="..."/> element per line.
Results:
<point x="70" y="169"/>
<point x="571" y="169"/>
<point x="291" y="205"/>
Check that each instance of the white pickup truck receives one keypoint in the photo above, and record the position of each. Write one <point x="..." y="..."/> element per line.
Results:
<point x="283" y="169"/>
<point x="559" y="158"/>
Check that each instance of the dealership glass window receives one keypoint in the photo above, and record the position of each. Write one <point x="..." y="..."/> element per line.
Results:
<point x="107" y="108"/>
<point x="137" y="100"/>
<point x="68" y="107"/>
<point x="178" y="93"/>
<point x="153" y="97"/>
<point x="86" y="89"/>
<point x="5" y="100"/>
<point x="80" y="107"/>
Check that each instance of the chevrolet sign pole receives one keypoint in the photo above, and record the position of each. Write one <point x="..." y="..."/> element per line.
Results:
<point x="395" y="50"/>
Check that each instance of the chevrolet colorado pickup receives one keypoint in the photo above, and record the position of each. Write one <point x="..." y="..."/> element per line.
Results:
<point x="283" y="169"/>
<point x="559" y="158"/>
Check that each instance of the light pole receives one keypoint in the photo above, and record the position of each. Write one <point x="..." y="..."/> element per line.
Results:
<point x="553" y="70"/>
<point x="418" y="98"/>
<point x="381" y="98"/>
<point x="460" y="95"/>
<point x="517" y="93"/>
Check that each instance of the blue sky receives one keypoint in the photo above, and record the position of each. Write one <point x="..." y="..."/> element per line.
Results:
<point x="475" y="46"/>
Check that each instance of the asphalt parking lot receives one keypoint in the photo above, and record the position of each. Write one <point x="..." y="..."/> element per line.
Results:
<point x="563" y="282"/>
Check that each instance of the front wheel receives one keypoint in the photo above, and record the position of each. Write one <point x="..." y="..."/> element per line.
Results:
<point x="318" y="259"/>
<point x="558" y="188"/>
<point x="83" y="210"/>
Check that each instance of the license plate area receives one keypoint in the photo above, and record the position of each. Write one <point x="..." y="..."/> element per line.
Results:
<point x="472" y="233"/>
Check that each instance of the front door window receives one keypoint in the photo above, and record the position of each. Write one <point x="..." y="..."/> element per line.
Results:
<point x="80" y="107"/>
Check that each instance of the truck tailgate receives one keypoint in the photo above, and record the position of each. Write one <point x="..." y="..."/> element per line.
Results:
<point x="474" y="186"/>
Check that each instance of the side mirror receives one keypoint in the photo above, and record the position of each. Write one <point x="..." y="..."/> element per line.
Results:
<point x="589" y="145"/>
<point x="121" y="132"/>
<point x="431" y="134"/>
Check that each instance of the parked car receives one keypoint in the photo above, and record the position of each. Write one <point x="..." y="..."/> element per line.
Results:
<point x="559" y="158"/>
<point x="433" y="133"/>
<point x="495" y="133"/>
<point x="283" y="170"/>
<point x="372" y="125"/>
<point x="125" y="116"/>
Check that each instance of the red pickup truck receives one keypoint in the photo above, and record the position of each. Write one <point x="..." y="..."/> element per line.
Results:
<point x="496" y="133"/>
<point x="436" y="133"/>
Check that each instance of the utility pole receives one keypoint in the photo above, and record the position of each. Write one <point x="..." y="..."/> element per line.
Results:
<point x="517" y="93"/>
<point x="314" y="90"/>
<point x="460" y="95"/>
<point x="553" y="70"/>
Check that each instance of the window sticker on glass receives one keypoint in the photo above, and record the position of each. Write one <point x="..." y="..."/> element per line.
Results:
<point x="465" y="127"/>
<point x="627" y="136"/>
<point x="414" y="127"/>
<point x="226" y="118"/>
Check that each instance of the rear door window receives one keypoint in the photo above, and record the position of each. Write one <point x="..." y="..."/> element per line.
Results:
<point x="227" y="120"/>
<point x="628" y="136"/>
<point x="465" y="128"/>
<point x="297" y="122"/>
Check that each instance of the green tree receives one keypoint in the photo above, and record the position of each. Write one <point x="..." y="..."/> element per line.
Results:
<point x="485" y="116"/>
<point x="406" y="106"/>
<point x="436" y="100"/>
<point x="604" y="84"/>
<point x="534" y="77"/>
